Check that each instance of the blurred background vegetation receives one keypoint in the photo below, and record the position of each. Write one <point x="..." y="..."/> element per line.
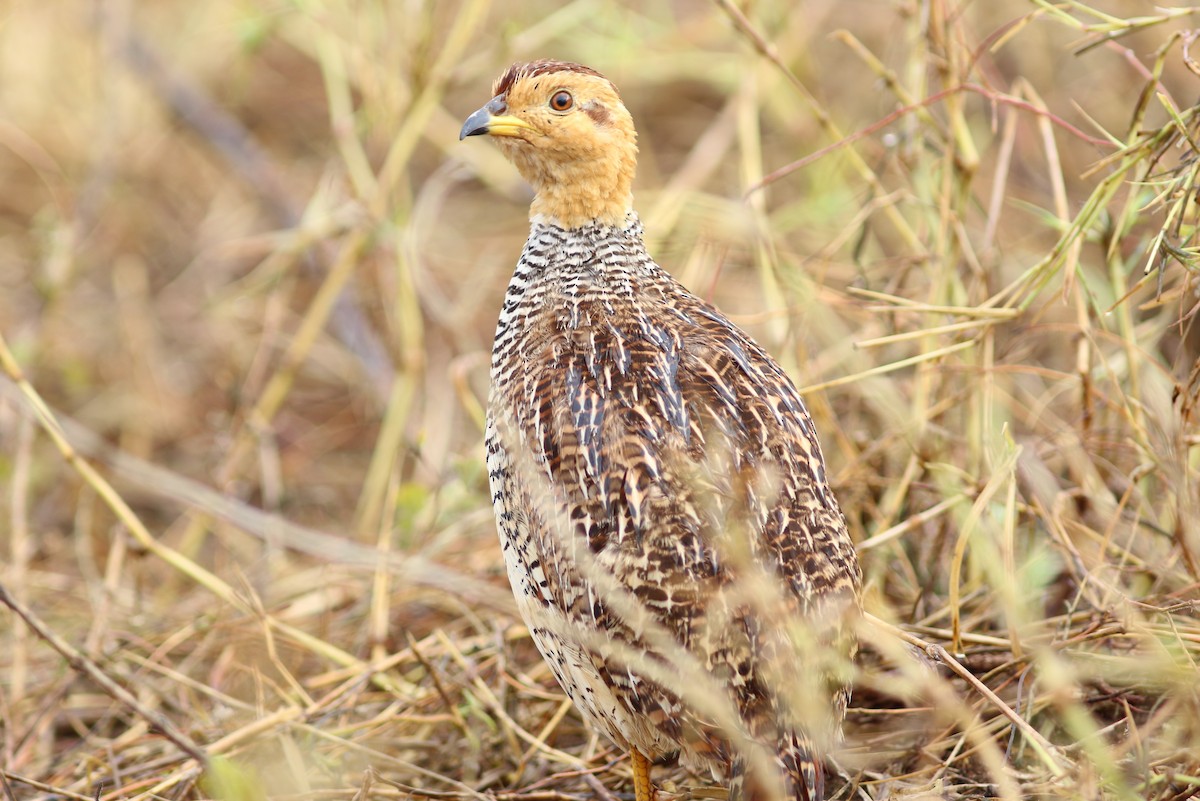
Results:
<point x="250" y="274"/>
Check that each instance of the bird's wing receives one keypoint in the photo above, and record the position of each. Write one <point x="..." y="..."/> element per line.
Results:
<point x="672" y="453"/>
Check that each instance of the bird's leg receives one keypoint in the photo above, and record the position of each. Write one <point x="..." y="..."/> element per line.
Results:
<point x="643" y="790"/>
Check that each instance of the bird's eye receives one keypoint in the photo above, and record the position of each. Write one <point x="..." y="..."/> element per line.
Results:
<point x="561" y="101"/>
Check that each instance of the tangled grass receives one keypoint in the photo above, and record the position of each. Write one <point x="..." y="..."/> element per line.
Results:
<point x="248" y="279"/>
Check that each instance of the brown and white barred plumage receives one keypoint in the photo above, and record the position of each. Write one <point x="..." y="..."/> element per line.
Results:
<point x="659" y="490"/>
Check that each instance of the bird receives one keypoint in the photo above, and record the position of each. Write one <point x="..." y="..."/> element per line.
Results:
<point x="665" y="516"/>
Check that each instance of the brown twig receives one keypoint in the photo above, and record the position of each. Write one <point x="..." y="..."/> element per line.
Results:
<point x="995" y="97"/>
<point x="1047" y="751"/>
<point x="81" y="663"/>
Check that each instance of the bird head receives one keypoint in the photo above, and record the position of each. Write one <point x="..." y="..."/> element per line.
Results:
<point x="567" y="132"/>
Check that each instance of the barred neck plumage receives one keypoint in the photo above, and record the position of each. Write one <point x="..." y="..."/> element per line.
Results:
<point x="596" y="258"/>
<point x="574" y="278"/>
<point x="575" y="248"/>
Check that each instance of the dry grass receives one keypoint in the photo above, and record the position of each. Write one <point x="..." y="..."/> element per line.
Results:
<point x="250" y="274"/>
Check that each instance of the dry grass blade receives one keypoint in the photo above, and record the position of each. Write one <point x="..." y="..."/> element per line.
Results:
<point x="84" y="665"/>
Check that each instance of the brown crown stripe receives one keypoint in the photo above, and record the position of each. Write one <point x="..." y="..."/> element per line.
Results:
<point x="535" y="68"/>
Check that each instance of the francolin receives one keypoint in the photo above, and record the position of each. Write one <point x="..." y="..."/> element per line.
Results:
<point x="666" y="520"/>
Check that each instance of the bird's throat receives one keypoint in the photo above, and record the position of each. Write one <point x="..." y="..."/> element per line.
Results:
<point x="606" y="205"/>
<point x="583" y="192"/>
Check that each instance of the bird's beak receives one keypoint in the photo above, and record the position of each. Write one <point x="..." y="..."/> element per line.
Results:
<point x="493" y="119"/>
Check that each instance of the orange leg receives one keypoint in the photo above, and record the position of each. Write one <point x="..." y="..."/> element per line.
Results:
<point x="643" y="790"/>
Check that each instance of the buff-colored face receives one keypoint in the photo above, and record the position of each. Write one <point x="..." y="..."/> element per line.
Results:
<point x="568" y="133"/>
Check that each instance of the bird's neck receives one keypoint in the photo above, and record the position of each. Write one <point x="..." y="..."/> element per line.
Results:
<point x="551" y="234"/>
<point x="598" y="191"/>
<point x="575" y="207"/>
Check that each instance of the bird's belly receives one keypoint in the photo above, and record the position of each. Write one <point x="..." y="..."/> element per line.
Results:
<point x="558" y="636"/>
